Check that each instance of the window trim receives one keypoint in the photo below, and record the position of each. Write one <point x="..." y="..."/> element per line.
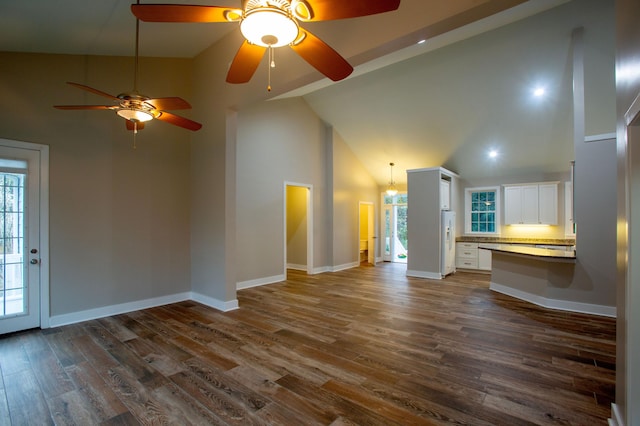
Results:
<point x="467" y="210"/>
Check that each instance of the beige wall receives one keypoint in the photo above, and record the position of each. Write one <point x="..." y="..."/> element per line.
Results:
<point x="351" y="185"/>
<point x="119" y="217"/>
<point x="278" y="142"/>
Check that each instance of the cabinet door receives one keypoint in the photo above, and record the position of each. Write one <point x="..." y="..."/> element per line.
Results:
<point x="445" y="194"/>
<point x="512" y="205"/>
<point x="548" y="204"/>
<point x="530" y="204"/>
<point x="484" y="259"/>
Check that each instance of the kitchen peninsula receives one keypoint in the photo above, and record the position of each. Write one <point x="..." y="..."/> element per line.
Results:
<point x="545" y="272"/>
<point x="534" y="274"/>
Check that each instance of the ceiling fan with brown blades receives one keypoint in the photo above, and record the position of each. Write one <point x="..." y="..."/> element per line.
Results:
<point x="267" y="24"/>
<point x="136" y="108"/>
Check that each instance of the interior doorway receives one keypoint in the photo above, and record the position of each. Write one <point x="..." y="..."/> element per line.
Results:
<point x="298" y="227"/>
<point x="367" y="237"/>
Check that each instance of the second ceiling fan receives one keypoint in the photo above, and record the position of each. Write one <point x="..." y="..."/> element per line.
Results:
<point x="267" y="24"/>
<point x="135" y="107"/>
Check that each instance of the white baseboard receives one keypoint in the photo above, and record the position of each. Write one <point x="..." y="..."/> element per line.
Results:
<point x="344" y="266"/>
<point x="296" y="267"/>
<point x="260" y="281"/>
<point x="424" y="274"/>
<point x="215" y="303"/>
<point x="562" y="305"/>
<point x="616" y="416"/>
<point x="320" y="270"/>
<point x="123" y="308"/>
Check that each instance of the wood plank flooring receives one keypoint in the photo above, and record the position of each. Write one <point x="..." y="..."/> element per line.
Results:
<point x="365" y="346"/>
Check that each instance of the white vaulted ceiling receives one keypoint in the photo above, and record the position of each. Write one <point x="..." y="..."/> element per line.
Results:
<point x="442" y="103"/>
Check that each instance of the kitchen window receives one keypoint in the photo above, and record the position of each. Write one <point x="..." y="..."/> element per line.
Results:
<point x="482" y="207"/>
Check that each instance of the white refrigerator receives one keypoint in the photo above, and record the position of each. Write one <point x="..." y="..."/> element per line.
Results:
<point x="448" y="242"/>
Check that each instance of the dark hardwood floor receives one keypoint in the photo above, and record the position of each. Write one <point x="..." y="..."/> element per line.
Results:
<point x="365" y="346"/>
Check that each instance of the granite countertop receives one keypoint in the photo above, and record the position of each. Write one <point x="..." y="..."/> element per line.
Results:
<point x="546" y="254"/>
<point x="501" y="240"/>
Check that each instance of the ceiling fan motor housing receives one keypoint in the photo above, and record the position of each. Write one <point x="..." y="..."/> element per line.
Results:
<point x="269" y="23"/>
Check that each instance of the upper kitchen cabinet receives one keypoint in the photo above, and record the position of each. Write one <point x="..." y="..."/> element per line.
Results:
<point x="531" y="204"/>
<point x="445" y="193"/>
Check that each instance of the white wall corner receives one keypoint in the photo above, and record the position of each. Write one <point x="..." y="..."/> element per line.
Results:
<point x="321" y="270"/>
<point x="211" y="302"/>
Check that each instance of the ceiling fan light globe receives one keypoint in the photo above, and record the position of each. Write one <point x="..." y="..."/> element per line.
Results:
<point x="269" y="27"/>
<point x="135" y="115"/>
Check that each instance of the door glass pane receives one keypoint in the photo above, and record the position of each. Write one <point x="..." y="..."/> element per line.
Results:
<point x="400" y="249"/>
<point x="387" y="232"/>
<point x="12" y="285"/>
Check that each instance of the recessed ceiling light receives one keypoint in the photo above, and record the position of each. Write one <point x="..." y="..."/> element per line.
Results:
<point x="538" y="92"/>
<point x="493" y="153"/>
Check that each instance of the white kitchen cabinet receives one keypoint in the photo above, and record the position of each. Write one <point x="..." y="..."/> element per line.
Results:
<point x="445" y="194"/>
<point x="484" y="259"/>
<point x="548" y="203"/>
<point x="531" y="204"/>
<point x="467" y="255"/>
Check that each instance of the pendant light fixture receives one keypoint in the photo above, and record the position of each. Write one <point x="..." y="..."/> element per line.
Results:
<point x="391" y="189"/>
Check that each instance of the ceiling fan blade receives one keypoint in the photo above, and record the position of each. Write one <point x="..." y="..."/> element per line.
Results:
<point x="83" y="107"/>
<point x="94" y="91"/>
<point x="325" y="10"/>
<point x="245" y="63"/>
<point x="168" y="103"/>
<point x="134" y="126"/>
<point x="179" y="121"/>
<point x="322" y="57"/>
<point x="183" y="13"/>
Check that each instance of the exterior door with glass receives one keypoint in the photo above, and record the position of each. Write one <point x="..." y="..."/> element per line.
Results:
<point x="394" y="216"/>
<point x="19" y="239"/>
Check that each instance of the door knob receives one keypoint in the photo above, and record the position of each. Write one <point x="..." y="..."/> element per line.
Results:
<point x="34" y="261"/>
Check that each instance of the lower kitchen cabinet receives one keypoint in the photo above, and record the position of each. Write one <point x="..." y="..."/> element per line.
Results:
<point x="484" y="259"/>
<point x="467" y="255"/>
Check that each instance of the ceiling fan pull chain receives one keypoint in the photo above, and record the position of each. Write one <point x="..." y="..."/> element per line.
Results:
<point x="135" y="132"/>
<point x="272" y="64"/>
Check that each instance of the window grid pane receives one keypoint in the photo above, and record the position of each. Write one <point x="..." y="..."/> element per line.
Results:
<point x="12" y="284"/>
<point x="483" y="211"/>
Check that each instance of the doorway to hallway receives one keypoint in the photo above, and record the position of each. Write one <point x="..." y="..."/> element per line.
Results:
<point x="366" y="234"/>
<point x="298" y="227"/>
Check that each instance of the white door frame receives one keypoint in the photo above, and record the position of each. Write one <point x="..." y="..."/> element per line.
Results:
<point x="43" y="150"/>
<point x="309" y="225"/>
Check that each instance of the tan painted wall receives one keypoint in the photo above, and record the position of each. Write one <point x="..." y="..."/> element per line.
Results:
<point x="119" y="217"/>
<point x="351" y="185"/>
<point x="278" y="142"/>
